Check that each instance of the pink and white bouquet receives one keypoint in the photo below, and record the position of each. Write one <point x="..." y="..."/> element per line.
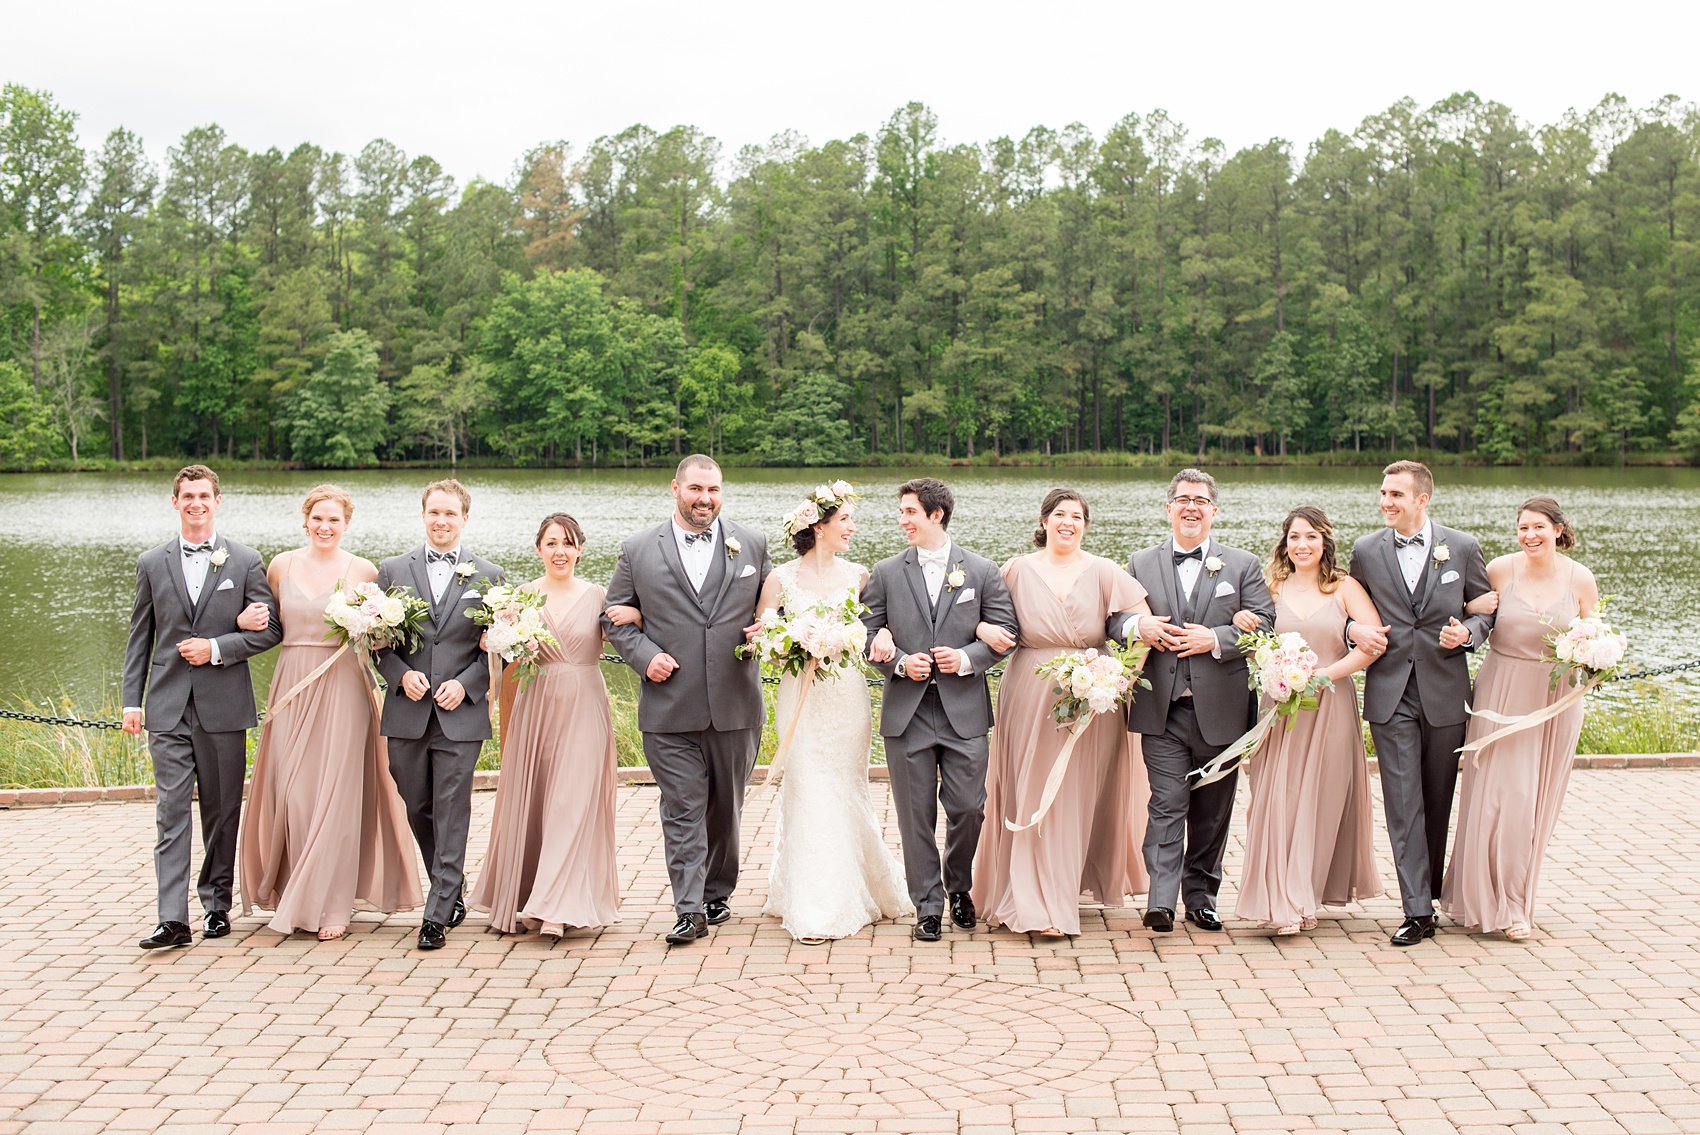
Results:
<point x="1094" y="681"/>
<point x="1284" y="670"/>
<point x="831" y="635"/>
<point x="369" y="618"/>
<point x="516" y="630"/>
<point x="1588" y="648"/>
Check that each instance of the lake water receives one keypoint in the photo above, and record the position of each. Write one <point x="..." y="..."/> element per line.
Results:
<point x="68" y="543"/>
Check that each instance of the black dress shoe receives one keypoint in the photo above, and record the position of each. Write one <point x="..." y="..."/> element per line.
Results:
<point x="928" y="928"/>
<point x="1205" y="919"/>
<point x="168" y="934"/>
<point x="432" y="935"/>
<point x="457" y="915"/>
<point x="1415" y="929"/>
<point x="1161" y="919"/>
<point x="962" y="910"/>
<point x="216" y="924"/>
<point x="689" y="928"/>
<point x="716" y="911"/>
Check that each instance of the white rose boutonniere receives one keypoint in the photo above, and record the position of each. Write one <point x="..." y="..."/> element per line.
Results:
<point x="956" y="578"/>
<point x="1441" y="554"/>
<point x="733" y="547"/>
<point x="1213" y="565"/>
<point x="219" y="556"/>
<point x="465" y="571"/>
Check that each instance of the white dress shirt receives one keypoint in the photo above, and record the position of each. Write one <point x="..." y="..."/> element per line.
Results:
<point x="439" y="572"/>
<point x="1187" y="572"/>
<point x="697" y="555"/>
<point x="935" y="565"/>
<point x="195" y="565"/>
<point x="1412" y="556"/>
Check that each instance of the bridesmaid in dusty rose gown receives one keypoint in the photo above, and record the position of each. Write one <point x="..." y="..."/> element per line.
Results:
<point x="324" y="829"/>
<point x="1512" y="790"/>
<point x="1089" y="842"/>
<point x="1309" y="832"/>
<point x="551" y="859"/>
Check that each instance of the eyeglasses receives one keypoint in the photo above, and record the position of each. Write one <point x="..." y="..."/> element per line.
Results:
<point x="1193" y="502"/>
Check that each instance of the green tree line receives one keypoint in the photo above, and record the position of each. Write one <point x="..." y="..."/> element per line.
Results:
<point x="1448" y="277"/>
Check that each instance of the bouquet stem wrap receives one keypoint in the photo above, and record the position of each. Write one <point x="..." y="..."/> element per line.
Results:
<point x="1522" y="721"/>
<point x="1224" y="764"/>
<point x="807" y="680"/>
<point x="1053" y="782"/>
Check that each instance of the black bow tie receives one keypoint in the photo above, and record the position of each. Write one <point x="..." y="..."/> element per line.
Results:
<point x="693" y="537"/>
<point x="192" y="549"/>
<point x="440" y="557"/>
<point x="1407" y="541"/>
<point x="1182" y="557"/>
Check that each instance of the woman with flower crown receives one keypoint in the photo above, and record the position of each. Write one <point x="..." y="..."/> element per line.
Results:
<point x="1512" y="790"/>
<point x="832" y="872"/>
<point x="325" y="829"/>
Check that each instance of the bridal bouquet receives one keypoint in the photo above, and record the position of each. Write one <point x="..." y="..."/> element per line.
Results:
<point x="829" y="635"/>
<point x="1094" y="681"/>
<point x="1588" y="648"/>
<point x="1284" y="670"/>
<point x="369" y="618"/>
<point x="516" y="629"/>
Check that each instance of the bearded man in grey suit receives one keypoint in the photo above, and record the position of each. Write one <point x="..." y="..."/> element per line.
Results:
<point x="695" y="579"/>
<point x="203" y="608"/>
<point x="1199" y="702"/>
<point x="1421" y="576"/>
<point x="436" y="715"/>
<point x="936" y="710"/>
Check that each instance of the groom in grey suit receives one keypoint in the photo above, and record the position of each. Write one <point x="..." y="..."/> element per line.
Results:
<point x="435" y="713"/>
<point x="203" y="608"/>
<point x="936" y="710"/>
<point x="696" y="578"/>
<point x="1420" y="575"/>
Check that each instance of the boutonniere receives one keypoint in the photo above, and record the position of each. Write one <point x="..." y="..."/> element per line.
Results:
<point x="1441" y="554"/>
<point x="955" y="578"/>
<point x="218" y="557"/>
<point x="1212" y="565"/>
<point x="733" y="547"/>
<point x="465" y="571"/>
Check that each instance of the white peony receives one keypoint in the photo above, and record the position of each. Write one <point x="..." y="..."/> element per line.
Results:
<point x="502" y="638"/>
<point x="1080" y="682"/>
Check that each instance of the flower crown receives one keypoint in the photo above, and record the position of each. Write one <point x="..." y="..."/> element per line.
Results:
<point x="808" y="514"/>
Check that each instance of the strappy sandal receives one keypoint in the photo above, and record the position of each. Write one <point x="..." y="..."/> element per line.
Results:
<point x="1307" y="923"/>
<point x="1052" y="932"/>
<point x="1288" y="930"/>
<point x="552" y="930"/>
<point x="1517" y="932"/>
<point x="332" y="933"/>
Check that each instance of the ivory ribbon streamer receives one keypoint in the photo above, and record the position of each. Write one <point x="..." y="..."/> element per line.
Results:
<point x="494" y="693"/>
<point x="318" y="673"/>
<point x="1223" y="763"/>
<point x="774" y="769"/>
<point x="1053" y="782"/>
<point x="1522" y="721"/>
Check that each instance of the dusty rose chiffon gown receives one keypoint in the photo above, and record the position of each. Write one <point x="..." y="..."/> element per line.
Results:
<point x="1309" y="838"/>
<point x="1089" y="842"/>
<point x="551" y="856"/>
<point x="1509" y="800"/>
<point x="324" y="830"/>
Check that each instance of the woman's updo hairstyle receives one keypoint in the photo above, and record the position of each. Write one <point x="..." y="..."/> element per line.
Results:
<point x="804" y="538"/>
<point x="1548" y="507"/>
<point x="1054" y="500"/>
<point x="574" y="534"/>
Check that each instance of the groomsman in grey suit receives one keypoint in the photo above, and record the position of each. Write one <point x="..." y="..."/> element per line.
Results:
<point x="696" y="578"/>
<point x="435" y="713"/>
<point x="1421" y="575"/>
<point x="203" y="608"/>
<point x="937" y="710"/>
<point x="1199" y="702"/>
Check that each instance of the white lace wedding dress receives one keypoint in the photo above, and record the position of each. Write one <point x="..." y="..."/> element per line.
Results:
<point x="832" y="871"/>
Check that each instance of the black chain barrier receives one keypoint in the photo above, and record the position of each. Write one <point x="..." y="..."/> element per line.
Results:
<point x="996" y="671"/>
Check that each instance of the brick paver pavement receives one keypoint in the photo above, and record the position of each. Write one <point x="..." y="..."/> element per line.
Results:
<point x="1590" y="1028"/>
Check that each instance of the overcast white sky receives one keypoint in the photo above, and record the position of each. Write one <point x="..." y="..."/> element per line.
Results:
<point x="474" y="85"/>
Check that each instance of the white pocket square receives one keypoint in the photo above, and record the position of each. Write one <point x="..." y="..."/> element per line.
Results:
<point x="749" y="570"/>
<point x="226" y="585"/>
<point x="470" y="595"/>
<point x="1224" y="588"/>
<point x="967" y="594"/>
<point x="1449" y="577"/>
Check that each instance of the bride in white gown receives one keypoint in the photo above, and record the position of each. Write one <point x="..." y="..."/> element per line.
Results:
<point x="832" y="871"/>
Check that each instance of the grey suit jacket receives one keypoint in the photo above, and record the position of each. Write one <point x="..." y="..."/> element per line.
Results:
<point x="448" y="649"/>
<point x="1415" y="622"/>
<point x="712" y="688"/>
<point x="896" y="597"/>
<point x="163" y="617"/>
<point x="1225" y="704"/>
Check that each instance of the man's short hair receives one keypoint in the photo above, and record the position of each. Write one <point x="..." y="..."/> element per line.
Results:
<point x="1419" y="472"/>
<point x="695" y="461"/>
<point x="1194" y="476"/>
<point x="932" y="494"/>
<point x="448" y="485"/>
<point x="194" y="473"/>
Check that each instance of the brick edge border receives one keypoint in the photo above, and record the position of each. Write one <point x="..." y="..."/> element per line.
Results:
<point x="485" y="780"/>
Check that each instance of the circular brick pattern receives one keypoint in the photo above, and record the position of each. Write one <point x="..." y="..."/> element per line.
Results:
<point x="921" y="1043"/>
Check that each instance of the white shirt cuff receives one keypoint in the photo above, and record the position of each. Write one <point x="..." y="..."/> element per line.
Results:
<point x="217" y="659"/>
<point x="1130" y="629"/>
<point x="132" y="709"/>
<point x="1216" y="649"/>
<point x="964" y="664"/>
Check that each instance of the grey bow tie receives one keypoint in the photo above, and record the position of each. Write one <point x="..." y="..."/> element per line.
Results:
<point x="192" y="549"/>
<point x="439" y="557"/>
<point x="693" y="537"/>
<point x="1407" y="541"/>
